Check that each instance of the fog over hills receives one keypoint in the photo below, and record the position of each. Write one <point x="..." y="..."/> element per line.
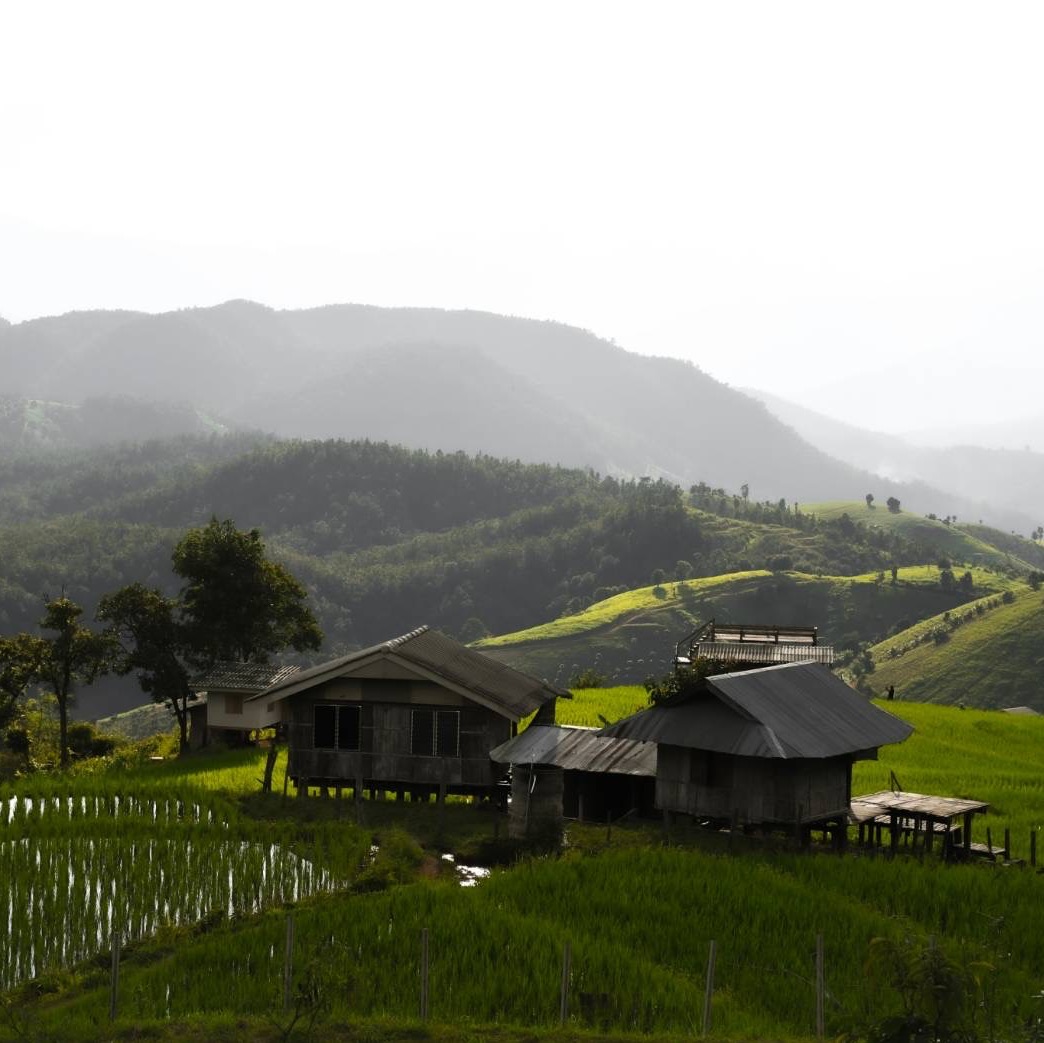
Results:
<point x="1011" y="481"/>
<point x="536" y="391"/>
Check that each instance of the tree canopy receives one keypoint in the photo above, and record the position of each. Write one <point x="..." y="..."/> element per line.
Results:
<point x="236" y="604"/>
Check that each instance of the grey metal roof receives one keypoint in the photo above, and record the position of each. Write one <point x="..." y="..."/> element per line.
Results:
<point x="510" y="691"/>
<point x="796" y="710"/>
<point x="243" y="677"/>
<point x="766" y="653"/>
<point x="577" y="749"/>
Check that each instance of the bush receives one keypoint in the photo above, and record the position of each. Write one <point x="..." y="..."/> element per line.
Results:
<point x="589" y="677"/>
<point x="85" y="740"/>
<point x="17" y="740"/>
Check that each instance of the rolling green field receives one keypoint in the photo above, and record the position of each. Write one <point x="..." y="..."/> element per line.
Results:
<point x="969" y="543"/>
<point x="633" y="635"/>
<point x="639" y="917"/>
<point x="992" y="659"/>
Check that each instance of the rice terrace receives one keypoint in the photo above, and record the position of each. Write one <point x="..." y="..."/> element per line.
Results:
<point x="199" y="875"/>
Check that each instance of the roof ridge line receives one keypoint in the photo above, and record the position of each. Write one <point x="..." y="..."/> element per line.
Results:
<point x="395" y="642"/>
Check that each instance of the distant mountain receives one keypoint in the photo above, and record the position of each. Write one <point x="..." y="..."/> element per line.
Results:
<point x="32" y="424"/>
<point x="536" y="391"/>
<point x="1004" y="485"/>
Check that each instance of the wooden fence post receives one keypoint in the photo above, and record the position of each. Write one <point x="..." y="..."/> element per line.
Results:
<point x="708" y="991"/>
<point x="114" y="985"/>
<point x="563" y="1007"/>
<point x="288" y="963"/>
<point x="424" y="975"/>
<point x="820" y="989"/>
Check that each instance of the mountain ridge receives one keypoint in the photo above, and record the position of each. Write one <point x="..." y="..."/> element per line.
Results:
<point x="593" y="403"/>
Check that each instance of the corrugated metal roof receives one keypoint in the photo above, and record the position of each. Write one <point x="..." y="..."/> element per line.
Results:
<point x="767" y="653"/>
<point x="510" y="690"/>
<point x="577" y="749"/>
<point x="243" y="677"/>
<point x="796" y="710"/>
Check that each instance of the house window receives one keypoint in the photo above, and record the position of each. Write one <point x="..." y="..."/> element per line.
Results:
<point x="335" y="727"/>
<point x="233" y="704"/>
<point x="435" y="733"/>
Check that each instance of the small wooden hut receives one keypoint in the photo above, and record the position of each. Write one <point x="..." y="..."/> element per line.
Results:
<point x="417" y="715"/>
<point x="226" y="706"/>
<point x="772" y="747"/>
<point x="568" y="772"/>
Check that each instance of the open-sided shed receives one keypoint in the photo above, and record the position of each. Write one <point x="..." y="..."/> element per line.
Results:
<point x="567" y="772"/>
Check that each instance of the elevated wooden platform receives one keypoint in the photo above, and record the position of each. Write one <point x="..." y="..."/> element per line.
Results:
<point x="919" y="819"/>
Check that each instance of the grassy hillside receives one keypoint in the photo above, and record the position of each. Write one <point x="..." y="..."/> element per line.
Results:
<point x="633" y="635"/>
<point x="970" y="544"/>
<point x="496" y="949"/>
<point x="990" y="656"/>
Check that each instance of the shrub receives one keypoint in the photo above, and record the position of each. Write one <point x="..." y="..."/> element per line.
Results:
<point x="589" y="677"/>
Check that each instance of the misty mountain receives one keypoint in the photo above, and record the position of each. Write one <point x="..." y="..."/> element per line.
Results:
<point x="1010" y="483"/>
<point x="535" y="391"/>
<point x="36" y="424"/>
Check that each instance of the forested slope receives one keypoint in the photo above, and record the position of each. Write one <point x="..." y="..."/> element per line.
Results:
<point x="472" y="381"/>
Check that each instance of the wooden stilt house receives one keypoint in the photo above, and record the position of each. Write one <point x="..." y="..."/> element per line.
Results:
<point x="416" y="715"/>
<point x="772" y="747"/>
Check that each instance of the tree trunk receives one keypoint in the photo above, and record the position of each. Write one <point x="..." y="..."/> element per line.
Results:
<point x="63" y="728"/>
<point x="181" y="713"/>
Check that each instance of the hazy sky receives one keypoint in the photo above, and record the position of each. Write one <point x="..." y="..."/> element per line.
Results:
<point x="804" y="197"/>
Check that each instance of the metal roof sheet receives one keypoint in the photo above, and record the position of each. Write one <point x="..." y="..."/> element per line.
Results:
<point x="766" y="653"/>
<point x="509" y="690"/>
<point x="795" y="710"/>
<point x="243" y="677"/>
<point x="577" y="749"/>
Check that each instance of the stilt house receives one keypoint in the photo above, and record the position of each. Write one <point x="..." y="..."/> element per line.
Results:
<point x="771" y="747"/>
<point x="417" y="714"/>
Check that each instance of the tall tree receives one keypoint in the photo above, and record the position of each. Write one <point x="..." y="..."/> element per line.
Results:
<point x="20" y="659"/>
<point x="75" y="656"/>
<point x="236" y="604"/>
<point x="151" y="638"/>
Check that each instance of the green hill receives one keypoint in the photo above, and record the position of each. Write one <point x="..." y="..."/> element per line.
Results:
<point x="968" y="544"/>
<point x="989" y="653"/>
<point x="633" y="635"/>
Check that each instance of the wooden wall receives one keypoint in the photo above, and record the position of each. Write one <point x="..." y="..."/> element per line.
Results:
<point x="384" y="757"/>
<point x="759" y="790"/>
<point x="536" y="801"/>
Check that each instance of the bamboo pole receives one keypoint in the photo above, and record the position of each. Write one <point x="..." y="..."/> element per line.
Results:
<point x="820" y="989"/>
<point x="114" y="987"/>
<point x="424" y="975"/>
<point x="563" y="1008"/>
<point x="288" y="962"/>
<point x="708" y="991"/>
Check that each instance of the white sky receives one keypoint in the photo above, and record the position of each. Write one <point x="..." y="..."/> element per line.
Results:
<point x="793" y="195"/>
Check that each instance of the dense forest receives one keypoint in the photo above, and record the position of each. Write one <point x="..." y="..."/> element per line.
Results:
<point x="387" y="538"/>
